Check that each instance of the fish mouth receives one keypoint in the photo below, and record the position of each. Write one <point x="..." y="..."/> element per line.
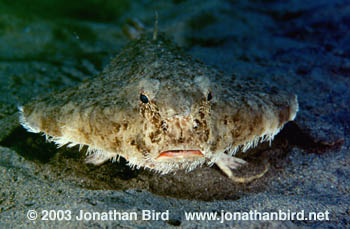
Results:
<point x="179" y="154"/>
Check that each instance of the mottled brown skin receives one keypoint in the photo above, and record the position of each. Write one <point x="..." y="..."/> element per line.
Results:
<point x="190" y="107"/>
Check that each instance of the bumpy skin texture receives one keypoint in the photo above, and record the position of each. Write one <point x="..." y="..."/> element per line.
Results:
<point x="194" y="113"/>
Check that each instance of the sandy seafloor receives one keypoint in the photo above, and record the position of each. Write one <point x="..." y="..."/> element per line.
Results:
<point x="299" y="46"/>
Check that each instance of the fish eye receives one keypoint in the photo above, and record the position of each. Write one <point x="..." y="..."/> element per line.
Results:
<point x="210" y="96"/>
<point x="143" y="98"/>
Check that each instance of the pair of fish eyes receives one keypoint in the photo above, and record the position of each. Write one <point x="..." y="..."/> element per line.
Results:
<point x="144" y="99"/>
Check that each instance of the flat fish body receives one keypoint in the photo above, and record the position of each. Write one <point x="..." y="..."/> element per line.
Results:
<point x="160" y="109"/>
